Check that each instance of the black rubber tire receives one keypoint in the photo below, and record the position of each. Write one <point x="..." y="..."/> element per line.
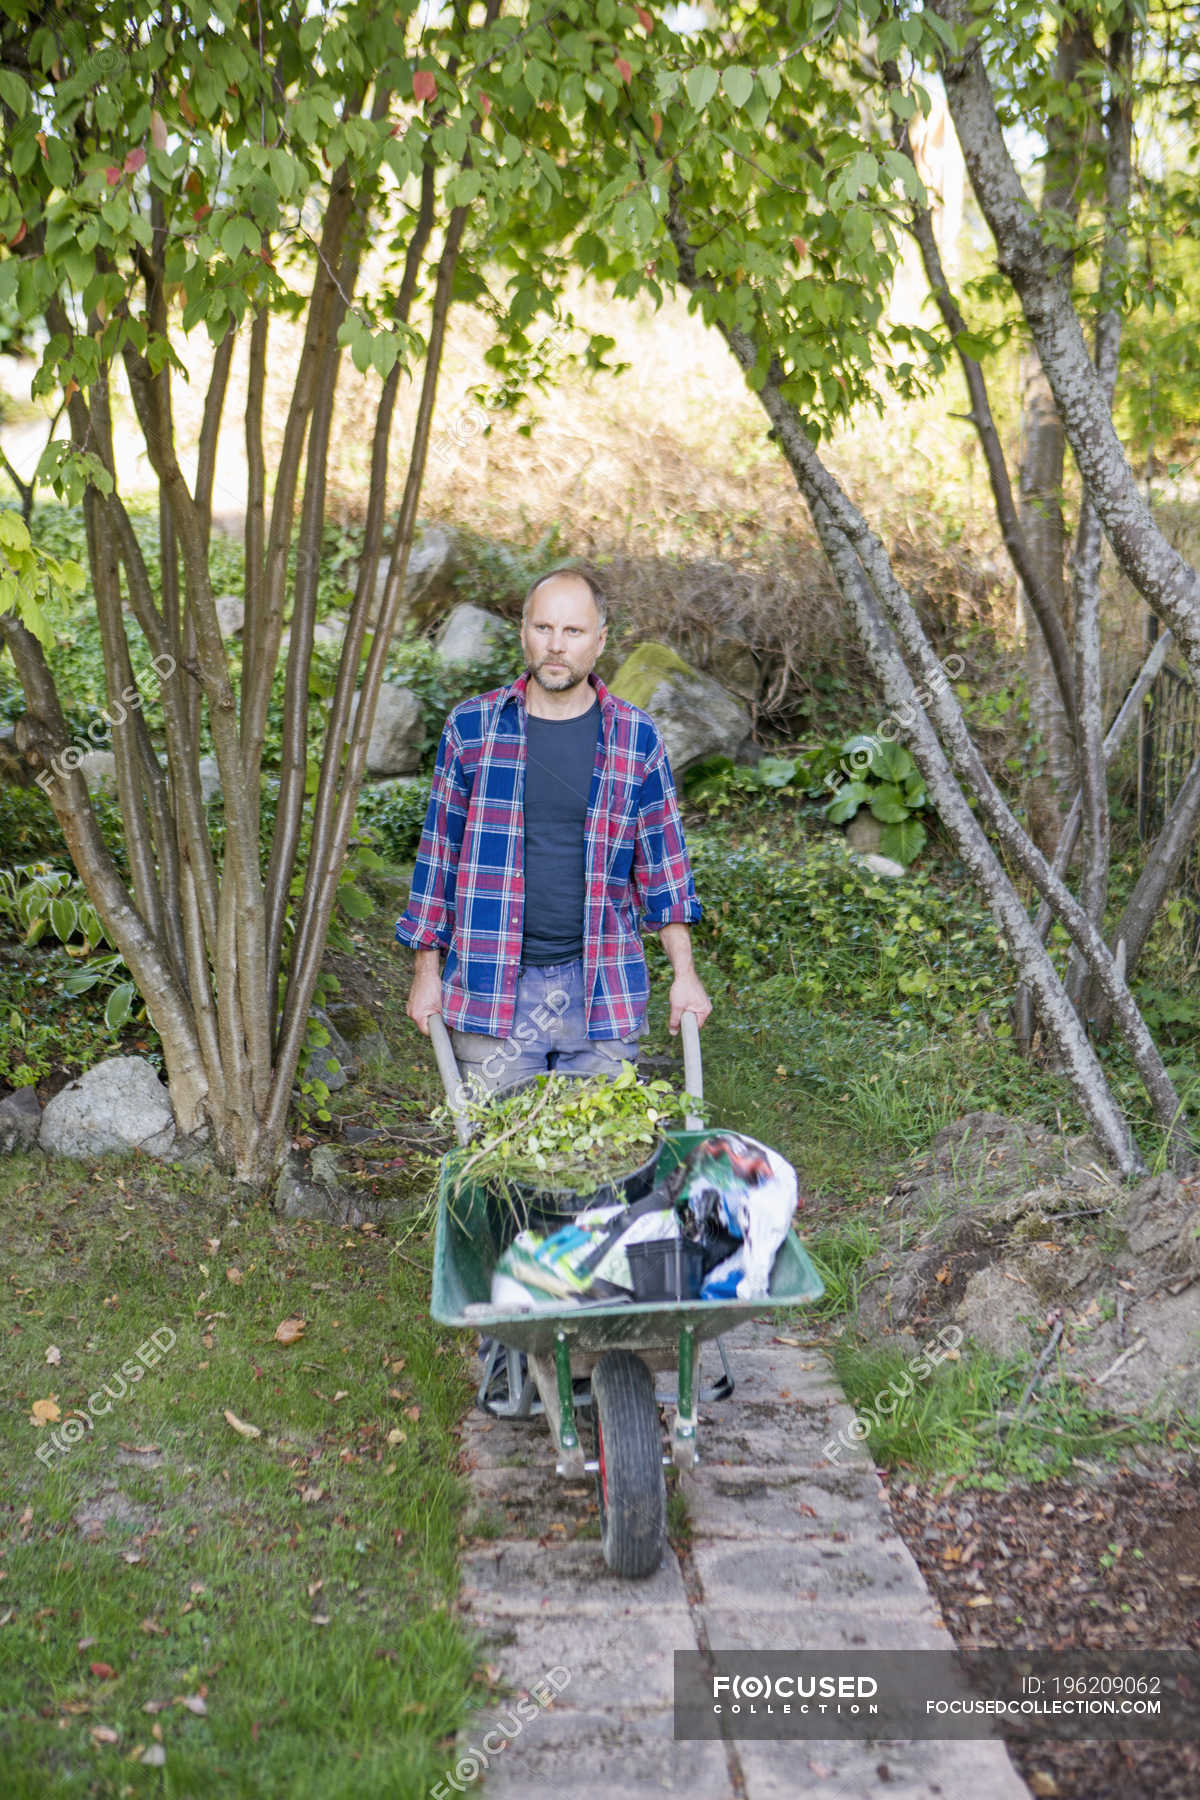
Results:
<point x="630" y="1483"/>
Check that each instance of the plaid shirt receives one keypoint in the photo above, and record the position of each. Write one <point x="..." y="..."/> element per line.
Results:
<point x="468" y="887"/>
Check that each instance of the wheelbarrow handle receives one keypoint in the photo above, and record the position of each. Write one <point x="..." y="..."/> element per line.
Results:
<point x="451" y="1075"/>
<point x="693" y="1067"/>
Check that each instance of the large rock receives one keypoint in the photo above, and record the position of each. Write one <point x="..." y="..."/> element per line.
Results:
<point x="314" y="1191"/>
<point x="231" y="614"/>
<point x="695" y="714"/>
<point x="333" y="1063"/>
<point x="20" y="1116"/>
<point x="118" y="1105"/>
<point x="472" y="635"/>
<point x="210" y="779"/>
<point x="359" y="1031"/>
<point x="99" y="771"/>
<point x="429" y="575"/>
<point x="397" y="734"/>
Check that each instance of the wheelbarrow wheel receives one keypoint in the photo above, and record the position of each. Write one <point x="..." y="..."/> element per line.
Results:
<point x="633" y="1494"/>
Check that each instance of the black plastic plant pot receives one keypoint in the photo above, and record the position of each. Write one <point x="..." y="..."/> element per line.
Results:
<point x="666" y="1269"/>
<point x="548" y="1208"/>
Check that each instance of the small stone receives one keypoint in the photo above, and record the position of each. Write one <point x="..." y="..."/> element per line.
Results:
<point x="883" y="865"/>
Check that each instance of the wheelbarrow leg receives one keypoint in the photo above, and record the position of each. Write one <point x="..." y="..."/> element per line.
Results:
<point x="558" y="1398"/>
<point x="683" y="1434"/>
<point x="522" y="1389"/>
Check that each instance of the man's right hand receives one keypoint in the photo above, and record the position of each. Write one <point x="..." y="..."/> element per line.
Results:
<point x="425" y="994"/>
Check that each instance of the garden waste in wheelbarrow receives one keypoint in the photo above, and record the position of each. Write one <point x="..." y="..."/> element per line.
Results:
<point x="619" y="1345"/>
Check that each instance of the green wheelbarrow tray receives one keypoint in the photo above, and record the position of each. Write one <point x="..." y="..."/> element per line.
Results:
<point x="466" y="1250"/>
<point x="564" y="1342"/>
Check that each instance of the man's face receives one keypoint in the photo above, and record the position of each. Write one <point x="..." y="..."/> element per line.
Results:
<point x="561" y="634"/>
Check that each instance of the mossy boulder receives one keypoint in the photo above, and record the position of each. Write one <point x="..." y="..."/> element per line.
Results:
<point x="696" y="715"/>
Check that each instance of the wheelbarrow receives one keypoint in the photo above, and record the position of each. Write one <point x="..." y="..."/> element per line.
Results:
<point x="620" y="1347"/>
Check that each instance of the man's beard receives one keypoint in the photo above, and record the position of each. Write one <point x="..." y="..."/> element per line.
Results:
<point x="557" y="681"/>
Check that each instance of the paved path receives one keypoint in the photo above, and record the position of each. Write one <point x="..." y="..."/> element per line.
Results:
<point x="786" y="1552"/>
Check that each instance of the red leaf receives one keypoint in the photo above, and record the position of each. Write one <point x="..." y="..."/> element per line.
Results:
<point x="201" y="212"/>
<point x="424" y="84"/>
<point x="656" y="122"/>
<point x="134" y="160"/>
<point x="800" y="247"/>
<point x="102" y="1671"/>
<point x="17" y="235"/>
<point x="624" y="70"/>
<point x="485" y="104"/>
<point x="112" y="175"/>
<point x="646" y="19"/>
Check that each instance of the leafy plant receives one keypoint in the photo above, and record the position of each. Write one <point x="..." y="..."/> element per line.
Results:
<point x="565" y="1132"/>
<point x="392" y="816"/>
<point x="884" y="778"/>
<point x="841" y="774"/>
<point x="37" y="900"/>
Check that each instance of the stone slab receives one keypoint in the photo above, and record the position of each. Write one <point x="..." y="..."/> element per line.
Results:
<point x="776" y="1502"/>
<point x="762" y="1627"/>
<point x="615" y="1754"/>
<point x="908" y="1771"/>
<point x="512" y="1576"/>
<point x="624" y="1663"/>
<point x="875" y="1575"/>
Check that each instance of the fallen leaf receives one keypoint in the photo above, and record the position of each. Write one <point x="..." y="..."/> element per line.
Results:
<point x="943" y="1274"/>
<point x="102" y="1671"/>
<point x="396" y="1436"/>
<point x="980" y="1600"/>
<point x="240" y="1425"/>
<point x="1043" y="1784"/>
<point x="53" y="1353"/>
<point x="104" y="1734"/>
<point x="156" y="1706"/>
<point x="319" y="1619"/>
<point x="310" y="1495"/>
<point x="234" y="1275"/>
<point x="45" y="1412"/>
<point x="193" y="1702"/>
<point x="154" y="1756"/>
<point x="153" y="1628"/>
<point x="289" y="1331"/>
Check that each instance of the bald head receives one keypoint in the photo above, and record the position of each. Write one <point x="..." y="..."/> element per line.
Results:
<point x="579" y="576"/>
<point x="563" y="629"/>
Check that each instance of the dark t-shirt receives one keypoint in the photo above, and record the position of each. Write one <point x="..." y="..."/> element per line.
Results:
<point x="560" y="758"/>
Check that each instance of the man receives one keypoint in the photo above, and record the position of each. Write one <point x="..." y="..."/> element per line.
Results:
<point x="552" y="823"/>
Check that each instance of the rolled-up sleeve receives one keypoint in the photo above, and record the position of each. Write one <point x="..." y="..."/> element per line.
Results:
<point x="428" y="920"/>
<point x="662" y="873"/>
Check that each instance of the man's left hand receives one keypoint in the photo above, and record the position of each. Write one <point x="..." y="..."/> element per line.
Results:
<point x="688" y="995"/>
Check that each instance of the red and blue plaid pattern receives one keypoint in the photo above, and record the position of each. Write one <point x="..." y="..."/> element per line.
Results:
<point x="468" y="888"/>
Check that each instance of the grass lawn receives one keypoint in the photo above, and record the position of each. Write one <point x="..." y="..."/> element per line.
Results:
<point x="184" y="1609"/>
